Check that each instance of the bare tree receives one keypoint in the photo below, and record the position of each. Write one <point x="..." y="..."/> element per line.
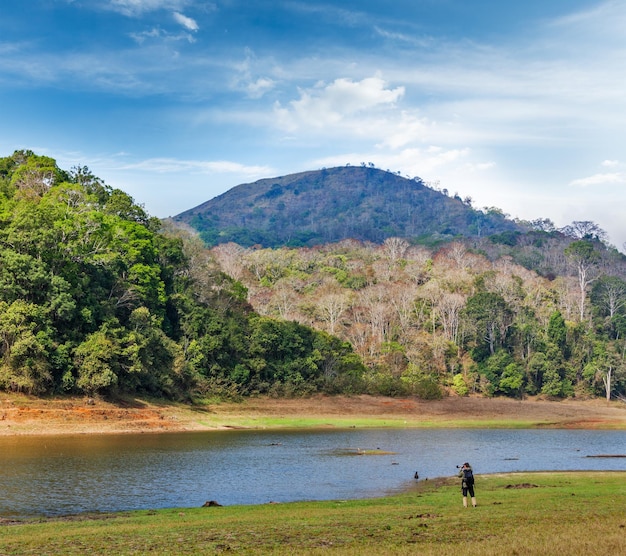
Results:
<point x="449" y="307"/>
<point x="395" y="248"/>
<point x="284" y="300"/>
<point x="331" y="308"/>
<point x="585" y="229"/>
<point x="457" y="252"/>
<point x="230" y="257"/>
<point x="612" y="294"/>
<point x="584" y="258"/>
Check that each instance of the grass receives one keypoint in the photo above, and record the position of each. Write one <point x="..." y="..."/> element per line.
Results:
<point x="525" y="514"/>
<point x="362" y="422"/>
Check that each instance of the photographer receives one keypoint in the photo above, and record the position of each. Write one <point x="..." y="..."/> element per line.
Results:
<point x="467" y="483"/>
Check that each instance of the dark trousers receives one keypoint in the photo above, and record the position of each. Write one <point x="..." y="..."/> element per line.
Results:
<point x="467" y="488"/>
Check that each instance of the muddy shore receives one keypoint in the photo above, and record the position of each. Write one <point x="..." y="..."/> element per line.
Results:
<point x="20" y="415"/>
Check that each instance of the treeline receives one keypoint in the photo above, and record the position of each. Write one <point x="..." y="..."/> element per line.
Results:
<point x="98" y="297"/>
<point x="464" y="318"/>
<point x="95" y="297"/>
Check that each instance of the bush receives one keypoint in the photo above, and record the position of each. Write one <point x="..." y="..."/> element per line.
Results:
<point x="459" y="385"/>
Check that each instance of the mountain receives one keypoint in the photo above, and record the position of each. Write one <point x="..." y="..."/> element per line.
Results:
<point x="329" y="205"/>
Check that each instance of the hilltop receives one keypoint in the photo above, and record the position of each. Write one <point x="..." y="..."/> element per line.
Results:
<point x="333" y="204"/>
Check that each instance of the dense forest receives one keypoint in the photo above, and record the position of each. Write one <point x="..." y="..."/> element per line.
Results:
<point x="464" y="318"/>
<point x="96" y="298"/>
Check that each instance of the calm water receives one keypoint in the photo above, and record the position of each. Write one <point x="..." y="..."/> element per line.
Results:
<point x="62" y="475"/>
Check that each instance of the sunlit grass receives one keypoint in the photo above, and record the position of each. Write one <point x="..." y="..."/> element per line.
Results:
<point x="296" y="422"/>
<point x="539" y="513"/>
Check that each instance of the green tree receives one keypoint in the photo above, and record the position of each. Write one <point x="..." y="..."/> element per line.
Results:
<point x="25" y="348"/>
<point x="96" y="361"/>
<point x="490" y="317"/>
<point x="557" y="332"/>
<point x="512" y="380"/>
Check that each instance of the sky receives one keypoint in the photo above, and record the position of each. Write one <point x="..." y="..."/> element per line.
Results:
<point x="518" y="105"/>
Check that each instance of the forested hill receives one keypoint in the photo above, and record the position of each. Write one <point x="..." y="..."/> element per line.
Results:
<point x="329" y="205"/>
<point x="95" y="298"/>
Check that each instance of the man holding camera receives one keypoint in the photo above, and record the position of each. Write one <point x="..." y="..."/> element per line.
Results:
<point x="467" y="483"/>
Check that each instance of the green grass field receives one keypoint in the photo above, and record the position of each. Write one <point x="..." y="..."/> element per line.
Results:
<point x="517" y="514"/>
<point x="362" y="423"/>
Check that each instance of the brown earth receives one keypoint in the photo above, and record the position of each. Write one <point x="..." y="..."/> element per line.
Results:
<point x="21" y="414"/>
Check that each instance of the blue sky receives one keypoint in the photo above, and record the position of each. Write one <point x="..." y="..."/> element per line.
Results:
<point x="518" y="105"/>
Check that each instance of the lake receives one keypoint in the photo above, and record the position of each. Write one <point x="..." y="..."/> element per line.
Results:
<point x="61" y="475"/>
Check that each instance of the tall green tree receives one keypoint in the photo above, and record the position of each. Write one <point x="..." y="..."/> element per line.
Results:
<point x="490" y="317"/>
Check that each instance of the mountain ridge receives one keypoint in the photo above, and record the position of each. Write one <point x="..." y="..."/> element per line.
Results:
<point x="332" y="204"/>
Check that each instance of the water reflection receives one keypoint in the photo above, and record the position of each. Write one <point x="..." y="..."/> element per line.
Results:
<point x="60" y="475"/>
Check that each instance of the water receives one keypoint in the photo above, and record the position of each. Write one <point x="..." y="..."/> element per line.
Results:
<point x="66" y="475"/>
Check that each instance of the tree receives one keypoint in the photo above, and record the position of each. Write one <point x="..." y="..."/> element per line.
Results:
<point x="331" y="307"/>
<point x="609" y="296"/>
<point x="511" y="380"/>
<point x="584" y="257"/>
<point x="491" y="317"/>
<point x="557" y="332"/>
<point x="585" y="230"/>
<point x="605" y="363"/>
<point x="96" y="361"/>
<point x="25" y="348"/>
<point x="395" y="248"/>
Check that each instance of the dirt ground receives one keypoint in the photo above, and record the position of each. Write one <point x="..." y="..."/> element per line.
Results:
<point x="21" y="414"/>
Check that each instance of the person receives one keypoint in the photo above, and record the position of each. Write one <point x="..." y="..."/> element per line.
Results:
<point x="467" y="483"/>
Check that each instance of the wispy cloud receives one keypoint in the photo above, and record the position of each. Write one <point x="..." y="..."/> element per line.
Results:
<point x="186" y="22"/>
<point x="258" y="88"/>
<point x="600" y="179"/>
<point x="134" y="8"/>
<point x="421" y="41"/>
<point x="156" y="34"/>
<point x="421" y="162"/>
<point x="329" y="12"/>
<point x="174" y="165"/>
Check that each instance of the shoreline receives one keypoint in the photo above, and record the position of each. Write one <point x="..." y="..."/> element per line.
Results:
<point x="27" y="415"/>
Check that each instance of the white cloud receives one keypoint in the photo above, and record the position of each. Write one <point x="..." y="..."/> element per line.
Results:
<point x="186" y="22"/>
<point x="422" y="162"/>
<point x="605" y="16"/>
<point x="610" y="163"/>
<point x="174" y="165"/>
<point x="481" y="166"/>
<point x="406" y="129"/>
<point x="153" y="33"/>
<point x="599" y="179"/>
<point x="420" y="42"/>
<point x="133" y="8"/>
<point x="259" y="87"/>
<point x="334" y="104"/>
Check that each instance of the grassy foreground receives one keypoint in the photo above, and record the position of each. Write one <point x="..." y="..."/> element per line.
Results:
<point x="530" y="513"/>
